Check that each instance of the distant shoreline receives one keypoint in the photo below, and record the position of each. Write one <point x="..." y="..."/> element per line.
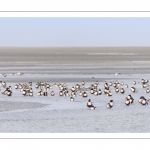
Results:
<point x="74" y="47"/>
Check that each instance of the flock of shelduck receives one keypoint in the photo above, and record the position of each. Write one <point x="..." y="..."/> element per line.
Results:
<point x="46" y="89"/>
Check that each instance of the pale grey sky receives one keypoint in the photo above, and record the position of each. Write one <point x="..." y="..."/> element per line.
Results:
<point x="74" y="31"/>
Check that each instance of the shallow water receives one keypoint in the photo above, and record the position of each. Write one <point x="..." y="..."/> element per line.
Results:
<point x="57" y="114"/>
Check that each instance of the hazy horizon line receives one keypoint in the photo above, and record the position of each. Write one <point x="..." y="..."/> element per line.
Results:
<point x="67" y="46"/>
